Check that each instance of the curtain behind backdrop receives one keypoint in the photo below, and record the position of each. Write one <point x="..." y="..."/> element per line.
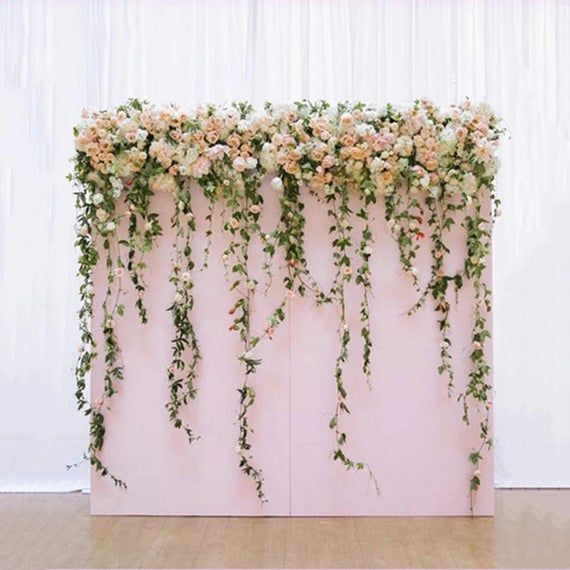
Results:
<point x="57" y="57"/>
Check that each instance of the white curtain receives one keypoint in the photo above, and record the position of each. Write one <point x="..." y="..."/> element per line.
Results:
<point x="61" y="55"/>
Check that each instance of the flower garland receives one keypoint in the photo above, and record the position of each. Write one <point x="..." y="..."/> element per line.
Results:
<point x="427" y="166"/>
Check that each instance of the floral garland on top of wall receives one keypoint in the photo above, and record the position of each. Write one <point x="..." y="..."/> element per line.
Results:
<point x="427" y="165"/>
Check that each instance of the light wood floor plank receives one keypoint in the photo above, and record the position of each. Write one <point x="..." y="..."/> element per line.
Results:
<point x="531" y="529"/>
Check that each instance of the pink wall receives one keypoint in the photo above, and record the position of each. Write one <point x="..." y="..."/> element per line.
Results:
<point x="406" y="428"/>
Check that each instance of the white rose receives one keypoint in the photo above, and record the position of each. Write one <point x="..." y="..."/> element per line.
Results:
<point x="239" y="164"/>
<point x="97" y="199"/>
<point x="346" y="120"/>
<point x="376" y="164"/>
<point x="250" y="163"/>
<point x="277" y="184"/>
<point x="243" y="125"/>
<point x="268" y="159"/>
<point x="116" y="182"/>
<point x="469" y="183"/>
<point x="448" y="139"/>
<point x="163" y="183"/>
<point x="362" y="129"/>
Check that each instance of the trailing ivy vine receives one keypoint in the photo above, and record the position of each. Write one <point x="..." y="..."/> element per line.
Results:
<point x="182" y="372"/>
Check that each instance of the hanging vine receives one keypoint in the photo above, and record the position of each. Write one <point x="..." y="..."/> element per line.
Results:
<point x="96" y="214"/>
<point x="182" y="372"/>
<point x="478" y="387"/>
<point x="244" y="202"/>
<point x="339" y="213"/>
<point x="440" y="220"/>
<point x="363" y="278"/>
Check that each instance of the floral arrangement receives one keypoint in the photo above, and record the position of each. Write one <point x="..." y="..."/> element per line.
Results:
<point x="429" y="168"/>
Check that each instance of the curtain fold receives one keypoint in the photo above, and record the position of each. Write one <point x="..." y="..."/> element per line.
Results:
<point x="57" y="57"/>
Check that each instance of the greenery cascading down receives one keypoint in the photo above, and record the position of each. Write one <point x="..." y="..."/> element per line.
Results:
<point x="430" y="169"/>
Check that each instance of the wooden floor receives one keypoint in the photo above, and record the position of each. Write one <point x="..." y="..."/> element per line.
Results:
<point x="530" y="529"/>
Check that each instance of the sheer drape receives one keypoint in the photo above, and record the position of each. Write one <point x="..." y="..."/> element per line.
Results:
<point x="59" y="56"/>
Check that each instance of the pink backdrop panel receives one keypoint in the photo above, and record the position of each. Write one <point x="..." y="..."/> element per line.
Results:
<point x="165" y="475"/>
<point x="405" y="427"/>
